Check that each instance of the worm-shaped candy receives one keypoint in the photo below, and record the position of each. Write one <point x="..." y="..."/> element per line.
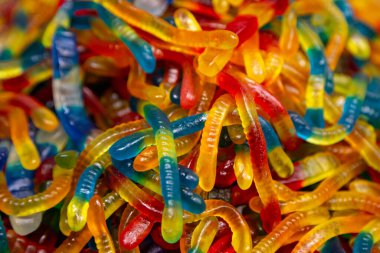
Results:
<point x="267" y="102"/>
<point x="316" y="83"/>
<point x="212" y="60"/>
<point x="166" y="32"/>
<point x="97" y="225"/>
<point x="191" y="201"/>
<point x="163" y="134"/>
<point x="311" y="170"/>
<point x="369" y="151"/>
<point x="345" y="125"/>
<point x="243" y="166"/>
<point x="77" y="240"/>
<point x="365" y="186"/>
<point x="289" y="42"/>
<point x="128" y="214"/>
<point x="148" y="158"/>
<point x="253" y="60"/>
<point x="20" y="183"/>
<point x="39" y="202"/>
<point x="25" y="148"/>
<point x="261" y="173"/>
<point x="41" y="116"/>
<point x="203" y="235"/>
<point x="289" y="226"/>
<point x="241" y="238"/>
<point x="326" y="189"/>
<point x="369" y="235"/>
<point x="345" y="200"/>
<point x="13" y="68"/>
<point x="279" y="160"/>
<point x="67" y="90"/>
<point x="333" y="227"/>
<point x="140" y="49"/>
<point x="338" y="38"/>
<point x="181" y="127"/>
<point x="79" y="204"/>
<point x="206" y="164"/>
<point x="137" y="229"/>
<point x="95" y="149"/>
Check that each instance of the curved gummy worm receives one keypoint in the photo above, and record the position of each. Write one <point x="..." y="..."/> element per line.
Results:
<point x="79" y="204"/>
<point x="97" y="225"/>
<point x="279" y="160"/>
<point x="231" y="78"/>
<point x="345" y="125"/>
<point x="346" y="200"/>
<point x="181" y="127"/>
<point x="148" y="158"/>
<point x="316" y="83"/>
<point x="140" y="49"/>
<point x="369" y="235"/>
<point x="206" y="164"/>
<point x="77" y="240"/>
<point x="333" y="227"/>
<point x="261" y="174"/>
<point x="365" y="186"/>
<point x="20" y="183"/>
<point x="326" y="188"/>
<point x="38" y="202"/>
<point x="191" y="201"/>
<point x="289" y="226"/>
<point x="14" y="68"/>
<point x="41" y="116"/>
<point x="204" y="234"/>
<point x="243" y="167"/>
<point x="166" y="32"/>
<point x="24" y="146"/>
<point x="172" y="214"/>
<point x="67" y="90"/>
<point x="241" y="238"/>
<point x="312" y="169"/>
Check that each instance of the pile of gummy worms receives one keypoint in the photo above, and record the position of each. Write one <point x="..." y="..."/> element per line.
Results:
<point x="190" y="126"/>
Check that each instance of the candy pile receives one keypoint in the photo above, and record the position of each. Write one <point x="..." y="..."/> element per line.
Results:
<point x="190" y="126"/>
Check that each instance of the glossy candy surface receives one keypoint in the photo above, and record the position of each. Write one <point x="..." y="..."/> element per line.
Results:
<point x="189" y="126"/>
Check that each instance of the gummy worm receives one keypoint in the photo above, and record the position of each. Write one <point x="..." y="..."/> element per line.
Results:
<point x="289" y="226"/>
<point x="67" y="90"/>
<point x="369" y="235"/>
<point x="97" y="225"/>
<point x="325" y="189"/>
<point x="335" y="226"/>
<point x="79" y="204"/>
<point x="163" y="134"/>
<point x="166" y="32"/>
<point x="38" y="202"/>
<point x="191" y="202"/>
<point x="77" y="240"/>
<point x="345" y="125"/>
<point x="206" y="164"/>
<point x="204" y="234"/>
<point x="261" y="174"/>
<point x="241" y="238"/>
